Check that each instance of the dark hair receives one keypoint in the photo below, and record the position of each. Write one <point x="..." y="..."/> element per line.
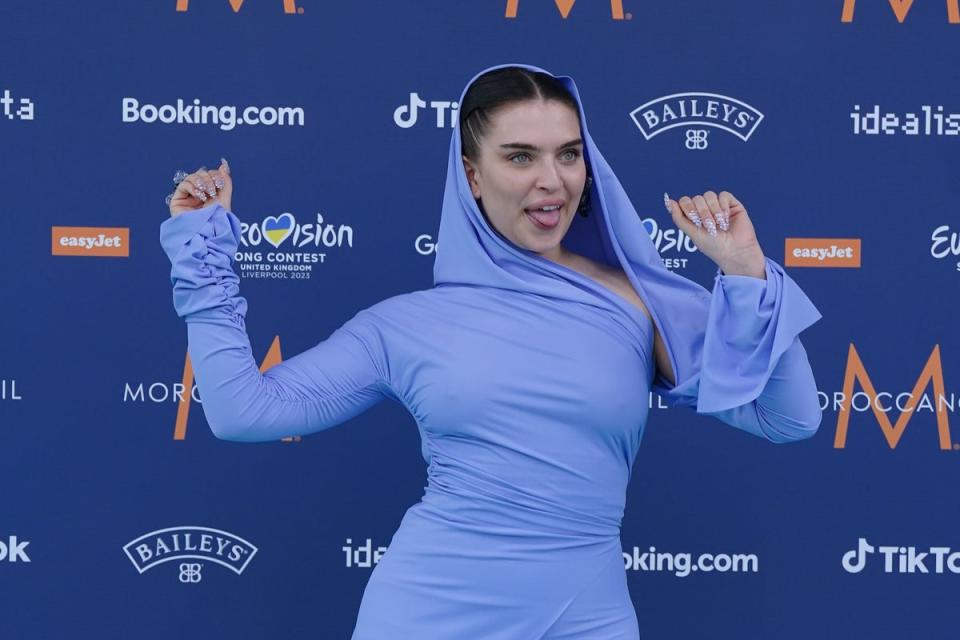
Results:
<point x="498" y="88"/>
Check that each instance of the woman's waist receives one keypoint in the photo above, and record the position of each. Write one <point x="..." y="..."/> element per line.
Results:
<point x="519" y="516"/>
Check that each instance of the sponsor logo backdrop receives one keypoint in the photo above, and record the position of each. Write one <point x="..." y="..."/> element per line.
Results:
<point x="835" y="122"/>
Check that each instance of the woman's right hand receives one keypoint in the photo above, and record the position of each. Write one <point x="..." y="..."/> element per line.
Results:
<point x="202" y="188"/>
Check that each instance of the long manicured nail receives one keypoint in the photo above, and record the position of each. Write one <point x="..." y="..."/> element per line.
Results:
<point x="666" y="202"/>
<point x="226" y="164"/>
<point x="724" y="220"/>
<point x="711" y="227"/>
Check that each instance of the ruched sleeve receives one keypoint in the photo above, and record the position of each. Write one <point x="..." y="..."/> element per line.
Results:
<point x="333" y="381"/>
<point x="750" y="369"/>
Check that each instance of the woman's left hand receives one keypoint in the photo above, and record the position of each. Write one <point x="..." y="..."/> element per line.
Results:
<point x="721" y="229"/>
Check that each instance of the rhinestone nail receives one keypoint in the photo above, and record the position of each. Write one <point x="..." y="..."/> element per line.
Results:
<point x="724" y="219"/>
<point x="179" y="176"/>
<point x="711" y="227"/>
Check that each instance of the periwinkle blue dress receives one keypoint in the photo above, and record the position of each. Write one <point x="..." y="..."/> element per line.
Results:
<point x="529" y="384"/>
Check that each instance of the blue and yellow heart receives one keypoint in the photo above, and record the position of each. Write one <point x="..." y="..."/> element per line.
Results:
<point x="277" y="229"/>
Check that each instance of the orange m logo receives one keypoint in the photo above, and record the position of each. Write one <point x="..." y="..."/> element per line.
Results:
<point x="565" y="6"/>
<point x="901" y="8"/>
<point x="932" y="371"/>
<point x="289" y="6"/>
<point x="273" y="357"/>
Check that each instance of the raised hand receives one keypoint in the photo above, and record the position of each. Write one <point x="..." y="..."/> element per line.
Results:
<point x="721" y="229"/>
<point x="203" y="187"/>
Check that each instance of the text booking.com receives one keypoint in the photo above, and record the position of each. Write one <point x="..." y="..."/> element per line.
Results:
<point x="683" y="564"/>
<point x="226" y="117"/>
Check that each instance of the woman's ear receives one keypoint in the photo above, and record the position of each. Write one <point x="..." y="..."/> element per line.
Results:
<point x="471" y="172"/>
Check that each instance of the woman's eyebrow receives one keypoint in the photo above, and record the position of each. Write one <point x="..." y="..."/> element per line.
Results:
<point x="530" y="147"/>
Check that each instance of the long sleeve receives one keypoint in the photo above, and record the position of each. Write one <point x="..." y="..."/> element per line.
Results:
<point x="753" y="371"/>
<point x="329" y="383"/>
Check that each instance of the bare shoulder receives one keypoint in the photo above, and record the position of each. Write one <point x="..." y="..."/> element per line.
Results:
<point x="617" y="281"/>
<point x="614" y="279"/>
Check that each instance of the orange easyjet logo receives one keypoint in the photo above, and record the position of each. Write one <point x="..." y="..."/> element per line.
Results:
<point x="273" y="357"/>
<point x="880" y="403"/>
<point x="91" y="241"/>
<point x="822" y="252"/>
<point x="901" y="8"/>
<point x="565" y="6"/>
<point x="289" y="6"/>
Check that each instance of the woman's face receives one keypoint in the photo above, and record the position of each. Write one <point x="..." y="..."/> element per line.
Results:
<point x="531" y="157"/>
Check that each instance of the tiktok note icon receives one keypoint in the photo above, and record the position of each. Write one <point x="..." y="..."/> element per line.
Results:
<point x="856" y="559"/>
<point x="406" y="114"/>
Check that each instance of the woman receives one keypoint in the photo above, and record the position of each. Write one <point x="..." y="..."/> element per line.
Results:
<point x="527" y="366"/>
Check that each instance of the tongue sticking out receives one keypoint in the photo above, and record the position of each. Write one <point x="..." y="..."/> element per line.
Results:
<point x="546" y="218"/>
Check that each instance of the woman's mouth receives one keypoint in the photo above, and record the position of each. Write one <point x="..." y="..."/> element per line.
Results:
<point x="545" y="217"/>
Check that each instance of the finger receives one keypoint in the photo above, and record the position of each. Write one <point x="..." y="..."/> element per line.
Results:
<point x="709" y="223"/>
<point x="194" y="181"/>
<point x="189" y="186"/>
<point x="718" y="213"/>
<point x="226" y="178"/>
<point x="730" y="201"/>
<point x="679" y="219"/>
<point x="218" y="181"/>
<point x="214" y="181"/>
<point x="182" y="198"/>
<point x="690" y="211"/>
<point x="224" y="172"/>
<point x="205" y="182"/>
<point x="725" y="199"/>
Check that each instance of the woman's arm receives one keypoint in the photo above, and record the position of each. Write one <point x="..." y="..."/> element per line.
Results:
<point x="787" y="409"/>
<point x="752" y="370"/>
<point x="333" y="381"/>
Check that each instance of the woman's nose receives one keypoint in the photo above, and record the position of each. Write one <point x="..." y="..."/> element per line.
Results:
<point x="548" y="177"/>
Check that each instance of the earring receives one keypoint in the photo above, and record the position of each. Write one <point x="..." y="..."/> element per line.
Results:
<point x="584" y="207"/>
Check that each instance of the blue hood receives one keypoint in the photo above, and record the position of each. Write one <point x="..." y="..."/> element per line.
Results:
<point x="470" y="252"/>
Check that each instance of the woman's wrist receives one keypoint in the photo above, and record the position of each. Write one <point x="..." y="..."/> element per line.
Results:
<point x="755" y="267"/>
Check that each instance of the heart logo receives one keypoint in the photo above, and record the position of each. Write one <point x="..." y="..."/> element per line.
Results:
<point x="277" y="229"/>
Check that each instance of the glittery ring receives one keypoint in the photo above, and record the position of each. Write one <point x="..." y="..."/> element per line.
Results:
<point x="178" y="177"/>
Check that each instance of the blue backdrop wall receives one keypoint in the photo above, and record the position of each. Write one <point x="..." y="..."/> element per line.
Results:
<point x="122" y="516"/>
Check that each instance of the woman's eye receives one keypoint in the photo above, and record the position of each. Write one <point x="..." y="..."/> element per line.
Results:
<point x="572" y="154"/>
